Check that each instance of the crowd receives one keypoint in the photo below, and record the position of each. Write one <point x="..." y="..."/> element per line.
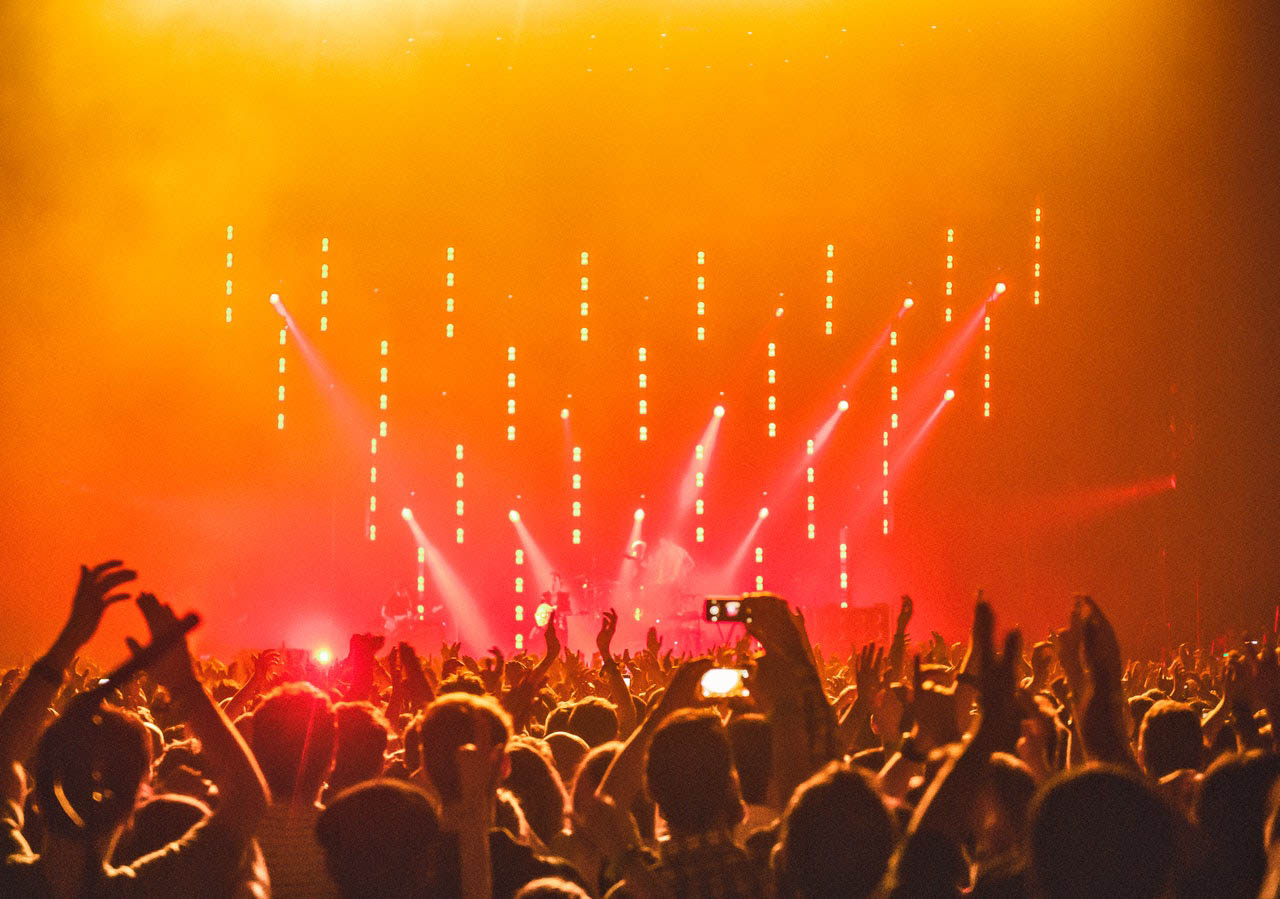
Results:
<point x="936" y="769"/>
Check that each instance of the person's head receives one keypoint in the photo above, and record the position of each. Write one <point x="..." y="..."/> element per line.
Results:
<point x="292" y="737"/>
<point x="450" y="723"/>
<point x="595" y="719"/>
<point x="690" y="775"/>
<point x="1138" y="707"/>
<point x="1231" y="809"/>
<point x="558" y="719"/>
<point x="89" y="764"/>
<point x="567" y="750"/>
<point x="160" y="820"/>
<point x="551" y="888"/>
<point x="362" y="734"/>
<point x="836" y="837"/>
<point x="1005" y="800"/>
<point x="462" y="681"/>
<point x="1099" y="830"/>
<point x="751" y="738"/>
<point x="590" y="772"/>
<point x="378" y="838"/>
<point x="1170" y="738"/>
<point x="534" y="781"/>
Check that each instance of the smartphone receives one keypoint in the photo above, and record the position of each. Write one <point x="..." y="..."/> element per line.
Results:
<point x="726" y="608"/>
<point x="722" y="683"/>
<point x="626" y="678"/>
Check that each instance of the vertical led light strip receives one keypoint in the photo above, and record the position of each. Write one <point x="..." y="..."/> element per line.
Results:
<point x="231" y="233"/>
<point x="383" y="377"/>
<point x="893" y="417"/>
<point x="828" y="324"/>
<point x="584" y="307"/>
<point x="986" y="363"/>
<point x="448" y="300"/>
<point x="642" y="387"/>
<point x="575" y="483"/>
<point x="324" y="286"/>
<point x="642" y="406"/>
<point x="701" y="308"/>
<point x="511" y="397"/>
<point x="459" y="481"/>
<point x="948" y="285"/>
<point x="844" y="567"/>
<point x="280" y="371"/>
<point x="1035" y="262"/>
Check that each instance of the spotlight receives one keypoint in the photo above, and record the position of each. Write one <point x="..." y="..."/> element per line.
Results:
<point x="843" y="405"/>
<point x="908" y="303"/>
<point x="777" y="313"/>
<point x="514" y="516"/>
<point x="949" y="395"/>
<point x="719" y="411"/>
<point x="1000" y="288"/>
<point x="764" y="511"/>
<point x="275" y="299"/>
<point x="322" y="656"/>
<point x="564" y="414"/>
<point x="406" y="513"/>
<point x="639" y="514"/>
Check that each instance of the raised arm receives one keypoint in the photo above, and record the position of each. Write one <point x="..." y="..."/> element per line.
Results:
<point x="1103" y="710"/>
<point x="948" y="803"/>
<point x="613" y="675"/>
<point x="23" y="717"/>
<point x="242" y="792"/>
<point x="623" y="781"/>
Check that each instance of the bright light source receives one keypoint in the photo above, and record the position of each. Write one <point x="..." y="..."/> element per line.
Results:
<point x="719" y="411"/>
<point x="564" y="414"/>
<point x="764" y="511"/>
<point x="908" y="303"/>
<point x="322" y="656"/>
<point x="406" y="513"/>
<point x="843" y="405"/>
<point x="275" y="299"/>
<point x="514" y="516"/>
<point x="1000" y="288"/>
<point x="639" y="514"/>
<point x="949" y="395"/>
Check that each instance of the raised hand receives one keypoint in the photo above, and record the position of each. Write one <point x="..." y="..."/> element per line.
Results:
<point x="93" y="595"/>
<point x="867" y="673"/>
<point x="416" y="686"/>
<point x="1101" y="648"/>
<point x="682" y="692"/>
<point x="1002" y="714"/>
<point x="608" y="627"/>
<point x="266" y="666"/>
<point x="775" y="627"/>
<point x="174" y="669"/>
<point x="653" y="642"/>
<point x="552" y="638"/>
<point x="905" y="612"/>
